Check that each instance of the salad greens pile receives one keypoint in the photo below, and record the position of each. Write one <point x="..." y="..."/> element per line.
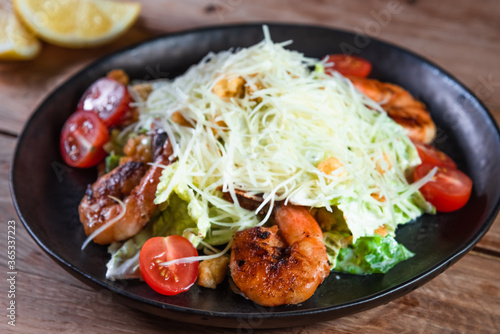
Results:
<point x="271" y="142"/>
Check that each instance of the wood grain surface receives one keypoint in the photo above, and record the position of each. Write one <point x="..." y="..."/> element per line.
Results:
<point x="461" y="36"/>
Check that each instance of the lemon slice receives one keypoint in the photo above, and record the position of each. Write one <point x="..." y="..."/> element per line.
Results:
<point x="16" y="43"/>
<point x="77" y="23"/>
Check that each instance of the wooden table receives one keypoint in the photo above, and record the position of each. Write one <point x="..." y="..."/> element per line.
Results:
<point x="461" y="36"/>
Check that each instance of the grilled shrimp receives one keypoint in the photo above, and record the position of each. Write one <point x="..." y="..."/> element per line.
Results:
<point x="401" y="106"/>
<point x="283" y="264"/>
<point x="132" y="182"/>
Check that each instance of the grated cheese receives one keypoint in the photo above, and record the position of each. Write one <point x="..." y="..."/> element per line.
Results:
<point x="271" y="141"/>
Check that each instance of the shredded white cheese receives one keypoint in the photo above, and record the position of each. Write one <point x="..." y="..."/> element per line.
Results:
<point x="271" y="140"/>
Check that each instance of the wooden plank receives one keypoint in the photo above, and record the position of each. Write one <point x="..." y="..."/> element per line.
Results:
<point x="440" y="37"/>
<point x="495" y="111"/>
<point x="24" y="85"/>
<point x="461" y="36"/>
<point x="491" y="241"/>
<point x="7" y="145"/>
<point x="29" y="257"/>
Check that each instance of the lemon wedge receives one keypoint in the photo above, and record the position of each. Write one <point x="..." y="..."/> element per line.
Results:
<point x="77" y="23"/>
<point x="16" y="43"/>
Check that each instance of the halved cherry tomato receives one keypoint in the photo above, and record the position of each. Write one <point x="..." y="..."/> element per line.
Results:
<point x="108" y="98"/>
<point x="348" y="65"/>
<point x="449" y="189"/>
<point x="175" y="278"/>
<point x="82" y="139"/>
<point x="431" y="155"/>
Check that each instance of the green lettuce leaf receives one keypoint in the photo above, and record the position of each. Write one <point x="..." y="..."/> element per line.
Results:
<point x="371" y="255"/>
<point x="112" y="161"/>
<point x="188" y="212"/>
<point x="363" y="218"/>
<point x="335" y="231"/>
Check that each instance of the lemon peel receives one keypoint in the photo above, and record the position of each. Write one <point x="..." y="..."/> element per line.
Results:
<point x="77" y="23"/>
<point x="16" y="43"/>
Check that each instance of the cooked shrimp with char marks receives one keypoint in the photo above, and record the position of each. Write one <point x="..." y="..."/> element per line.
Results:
<point x="283" y="264"/>
<point x="133" y="183"/>
<point x="401" y="106"/>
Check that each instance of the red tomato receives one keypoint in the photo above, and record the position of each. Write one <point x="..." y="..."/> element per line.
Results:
<point x="433" y="156"/>
<point x="348" y="65"/>
<point x="82" y="139"/>
<point x="448" y="190"/>
<point x="175" y="278"/>
<point x="107" y="98"/>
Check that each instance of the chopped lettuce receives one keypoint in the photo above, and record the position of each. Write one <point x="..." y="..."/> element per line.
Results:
<point x="112" y="161"/>
<point x="319" y="68"/>
<point x="367" y="255"/>
<point x="117" y="141"/>
<point x="335" y="231"/>
<point x="333" y="241"/>
<point x="124" y="262"/>
<point x="194" y="221"/>
<point x="370" y="255"/>
<point x="363" y="217"/>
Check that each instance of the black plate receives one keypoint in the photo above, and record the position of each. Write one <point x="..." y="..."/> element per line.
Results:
<point x="46" y="192"/>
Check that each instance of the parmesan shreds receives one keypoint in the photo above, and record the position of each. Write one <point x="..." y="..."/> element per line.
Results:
<point x="196" y="258"/>
<point x="271" y="137"/>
